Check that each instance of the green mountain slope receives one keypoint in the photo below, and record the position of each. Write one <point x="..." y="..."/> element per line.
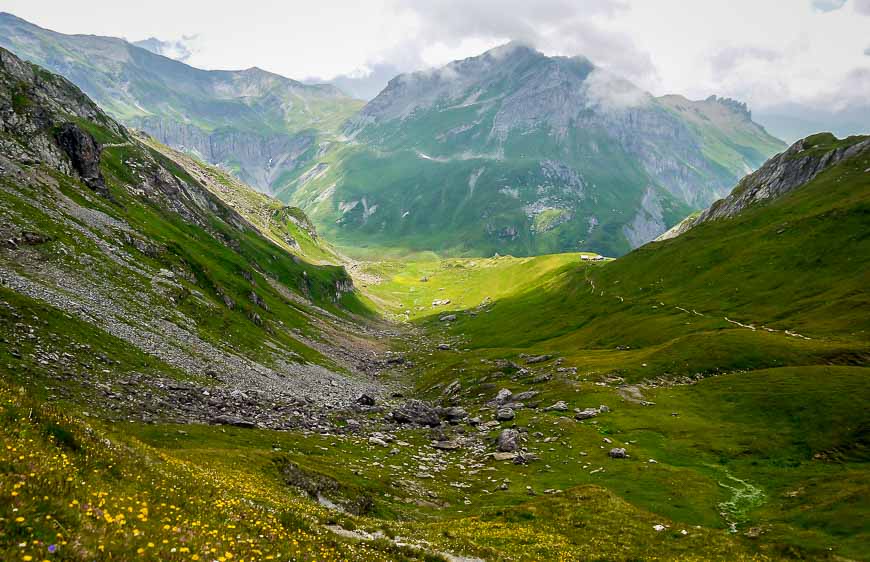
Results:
<point x="516" y="152"/>
<point x="735" y="355"/>
<point x="110" y="231"/>
<point x="257" y="124"/>
<point x="179" y="381"/>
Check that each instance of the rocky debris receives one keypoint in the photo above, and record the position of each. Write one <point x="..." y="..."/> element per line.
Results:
<point x="538" y="359"/>
<point x="234" y="421"/>
<point x="374" y="440"/>
<point x="559" y="406"/>
<point x="541" y="378"/>
<point x="444" y="346"/>
<point x="448" y="318"/>
<point x="452" y="389"/>
<point x="525" y="457"/>
<point x="505" y="414"/>
<point x="258" y="300"/>
<point x="416" y="412"/>
<point x="504" y="456"/>
<point x="365" y="400"/>
<point x="455" y="414"/>
<point x="440" y="302"/>
<point x="617" y="453"/>
<point x="396" y="360"/>
<point x="524" y="396"/>
<point x="446" y="445"/>
<point x="30" y="238"/>
<point x="587" y="413"/>
<point x="509" y="441"/>
<point x="503" y="396"/>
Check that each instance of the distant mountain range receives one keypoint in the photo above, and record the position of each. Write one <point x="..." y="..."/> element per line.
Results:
<point x="257" y="124"/>
<point x="511" y="151"/>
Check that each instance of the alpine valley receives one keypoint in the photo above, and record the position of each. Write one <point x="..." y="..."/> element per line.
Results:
<point x="248" y="318"/>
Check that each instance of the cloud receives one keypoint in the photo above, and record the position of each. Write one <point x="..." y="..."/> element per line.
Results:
<point x="180" y="49"/>
<point x="827" y="5"/>
<point x="611" y="93"/>
<point x="729" y="60"/>
<point x="556" y="27"/>
<point x="862" y="7"/>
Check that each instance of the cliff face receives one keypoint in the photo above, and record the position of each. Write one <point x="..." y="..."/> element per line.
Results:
<point x="785" y="172"/>
<point x="256" y="159"/>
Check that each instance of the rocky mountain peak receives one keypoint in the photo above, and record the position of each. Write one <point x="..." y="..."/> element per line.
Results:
<point x="798" y="165"/>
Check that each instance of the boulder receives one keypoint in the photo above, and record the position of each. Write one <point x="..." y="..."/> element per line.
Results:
<point x="365" y="400"/>
<point x="452" y="388"/>
<point x="559" y="406"/>
<point x="446" y="445"/>
<point x="525" y="458"/>
<point x="417" y="412"/>
<point x="586" y="414"/>
<point x="538" y="359"/>
<point x="503" y="396"/>
<point x="448" y="318"/>
<point x="524" y="396"/>
<point x="233" y="421"/>
<point x="505" y="414"/>
<point x="509" y="441"/>
<point x="455" y="414"/>
<point x="617" y="453"/>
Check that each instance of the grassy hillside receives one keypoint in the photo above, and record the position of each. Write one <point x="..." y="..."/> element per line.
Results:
<point x="735" y="356"/>
<point x="180" y="381"/>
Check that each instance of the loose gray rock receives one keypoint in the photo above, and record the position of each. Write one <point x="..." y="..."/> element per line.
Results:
<point x="455" y="414"/>
<point x="503" y="396"/>
<point x="617" y="453"/>
<point x="505" y="414"/>
<point x="559" y="406"/>
<point x="417" y="412"/>
<point x="538" y="359"/>
<point x="586" y="414"/>
<point x="509" y="441"/>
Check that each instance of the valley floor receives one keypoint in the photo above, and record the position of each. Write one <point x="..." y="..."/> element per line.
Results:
<point x="741" y="464"/>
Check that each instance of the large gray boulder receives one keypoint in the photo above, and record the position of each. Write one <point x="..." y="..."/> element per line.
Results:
<point x="417" y="412"/>
<point x="509" y="441"/>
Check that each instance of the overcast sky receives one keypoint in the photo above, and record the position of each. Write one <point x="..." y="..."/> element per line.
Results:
<point x="765" y="52"/>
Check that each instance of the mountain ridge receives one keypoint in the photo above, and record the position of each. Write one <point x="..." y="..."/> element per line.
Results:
<point x="256" y="123"/>
<point x="517" y="152"/>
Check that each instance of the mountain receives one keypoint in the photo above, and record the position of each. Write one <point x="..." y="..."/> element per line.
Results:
<point x="172" y="260"/>
<point x="732" y="360"/>
<point x="790" y="170"/>
<point x="259" y="125"/>
<point x="516" y="152"/>
<point x="185" y="373"/>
